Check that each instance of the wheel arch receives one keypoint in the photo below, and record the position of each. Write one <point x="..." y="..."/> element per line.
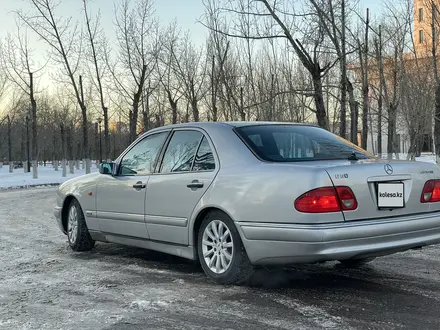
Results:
<point x="198" y="219"/>
<point x="65" y="209"/>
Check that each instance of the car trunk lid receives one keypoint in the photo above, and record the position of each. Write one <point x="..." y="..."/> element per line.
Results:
<point x="383" y="189"/>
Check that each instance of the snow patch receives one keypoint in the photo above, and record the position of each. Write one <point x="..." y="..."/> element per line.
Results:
<point x="317" y="315"/>
<point x="47" y="177"/>
<point x="149" y="304"/>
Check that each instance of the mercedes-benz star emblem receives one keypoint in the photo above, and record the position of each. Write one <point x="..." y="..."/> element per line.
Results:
<point x="388" y="169"/>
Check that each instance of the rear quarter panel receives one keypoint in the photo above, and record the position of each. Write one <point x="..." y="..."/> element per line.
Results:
<point x="265" y="193"/>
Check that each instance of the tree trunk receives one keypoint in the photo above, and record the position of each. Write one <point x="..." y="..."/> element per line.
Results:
<point x="106" y="134"/>
<point x="214" y="92"/>
<point x="194" y="103"/>
<point x="34" y="119"/>
<point x="63" y="141"/>
<point x="195" y="109"/>
<point x="379" y="124"/>
<point x="85" y="128"/>
<point x="344" y="85"/>
<point x="343" y="112"/>
<point x="392" y="117"/>
<point x="69" y="143"/>
<point x="365" y="109"/>
<point x="242" y="113"/>
<point x="134" y="117"/>
<point x="135" y="109"/>
<point x="146" y="111"/>
<point x="321" y="114"/>
<point x="173" y="105"/>
<point x="437" y="119"/>
<point x="353" y="114"/>
<point x="11" y="168"/>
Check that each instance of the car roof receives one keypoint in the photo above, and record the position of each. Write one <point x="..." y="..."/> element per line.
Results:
<point x="210" y="125"/>
<point x="229" y="124"/>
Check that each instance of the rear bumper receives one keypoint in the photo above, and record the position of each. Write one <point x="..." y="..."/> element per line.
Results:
<point x="267" y="243"/>
<point x="57" y="213"/>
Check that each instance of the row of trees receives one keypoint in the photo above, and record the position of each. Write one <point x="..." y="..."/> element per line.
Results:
<point x="320" y="61"/>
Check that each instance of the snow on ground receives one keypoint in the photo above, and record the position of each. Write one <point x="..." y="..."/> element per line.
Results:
<point x="46" y="176"/>
<point x="427" y="159"/>
<point x="424" y="157"/>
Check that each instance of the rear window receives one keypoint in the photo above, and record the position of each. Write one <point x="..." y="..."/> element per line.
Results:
<point x="293" y="143"/>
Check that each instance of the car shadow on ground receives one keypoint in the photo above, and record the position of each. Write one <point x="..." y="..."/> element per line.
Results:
<point x="328" y="275"/>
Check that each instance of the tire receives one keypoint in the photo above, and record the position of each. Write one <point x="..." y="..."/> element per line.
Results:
<point x="77" y="232"/>
<point x="354" y="263"/>
<point x="230" y="263"/>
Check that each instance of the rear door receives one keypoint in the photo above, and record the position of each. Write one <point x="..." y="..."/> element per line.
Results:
<point x="187" y="170"/>
<point x="384" y="189"/>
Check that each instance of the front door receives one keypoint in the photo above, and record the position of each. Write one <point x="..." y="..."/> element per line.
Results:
<point x="187" y="170"/>
<point x="120" y="201"/>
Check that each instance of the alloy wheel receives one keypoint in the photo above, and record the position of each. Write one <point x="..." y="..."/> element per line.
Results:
<point x="217" y="246"/>
<point x="72" y="224"/>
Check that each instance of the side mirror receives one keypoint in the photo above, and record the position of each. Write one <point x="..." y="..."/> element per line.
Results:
<point x="106" y="168"/>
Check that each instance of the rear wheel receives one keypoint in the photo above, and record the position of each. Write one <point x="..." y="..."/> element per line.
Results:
<point x="221" y="251"/>
<point x="353" y="263"/>
<point x="77" y="232"/>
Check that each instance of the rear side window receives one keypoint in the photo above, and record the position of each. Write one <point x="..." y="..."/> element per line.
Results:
<point x="293" y="143"/>
<point x="181" y="151"/>
<point x="204" y="159"/>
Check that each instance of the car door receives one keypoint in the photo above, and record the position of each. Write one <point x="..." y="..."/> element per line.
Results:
<point x="187" y="169"/>
<point x="120" y="200"/>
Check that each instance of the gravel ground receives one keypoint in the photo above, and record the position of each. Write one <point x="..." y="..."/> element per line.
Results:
<point x="45" y="285"/>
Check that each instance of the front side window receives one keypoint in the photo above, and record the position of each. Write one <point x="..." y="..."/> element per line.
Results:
<point x="141" y="159"/>
<point x="181" y="151"/>
<point x="421" y="17"/>
<point x="293" y="143"/>
<point x="421" y="37"/>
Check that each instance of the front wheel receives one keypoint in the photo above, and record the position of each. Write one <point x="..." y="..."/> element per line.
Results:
<point x="221" y="251"/>
<point x="77" y="232"/>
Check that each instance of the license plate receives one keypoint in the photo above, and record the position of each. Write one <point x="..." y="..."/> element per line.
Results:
<point x="390" y="195"/>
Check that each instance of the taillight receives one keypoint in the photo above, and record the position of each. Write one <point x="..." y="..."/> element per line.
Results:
<point x="326" y="200"/>
<point x="346" y="196"/>
<point x="431" y="192"/>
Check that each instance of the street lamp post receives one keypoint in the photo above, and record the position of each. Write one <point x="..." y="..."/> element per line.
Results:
<point x="100" y="140"/>
<point x="28" y="145"/>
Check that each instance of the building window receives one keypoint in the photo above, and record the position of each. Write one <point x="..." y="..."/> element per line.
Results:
<point x="421" y="18"/>
<point x="421" y="37"/>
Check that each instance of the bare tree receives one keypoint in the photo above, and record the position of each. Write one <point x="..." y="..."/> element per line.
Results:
<point x="190" y="68"/>
<point x="96" y="55"/>
<point x="270" y="21"/>
<point x="138" y="40"/>
<point x="167" y="63"/>
<point x="64" y="40"/>
<point x="17" y="59"/>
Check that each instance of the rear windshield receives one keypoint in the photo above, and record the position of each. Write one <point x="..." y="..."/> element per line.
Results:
<point x="294" y="143"/>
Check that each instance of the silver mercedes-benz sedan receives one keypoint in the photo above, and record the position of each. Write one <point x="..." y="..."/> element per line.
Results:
<point x="237" y="195"/>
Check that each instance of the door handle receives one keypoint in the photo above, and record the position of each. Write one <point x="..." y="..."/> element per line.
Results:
<point x="139" y="185"/>
<point x="195" y="184"/>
